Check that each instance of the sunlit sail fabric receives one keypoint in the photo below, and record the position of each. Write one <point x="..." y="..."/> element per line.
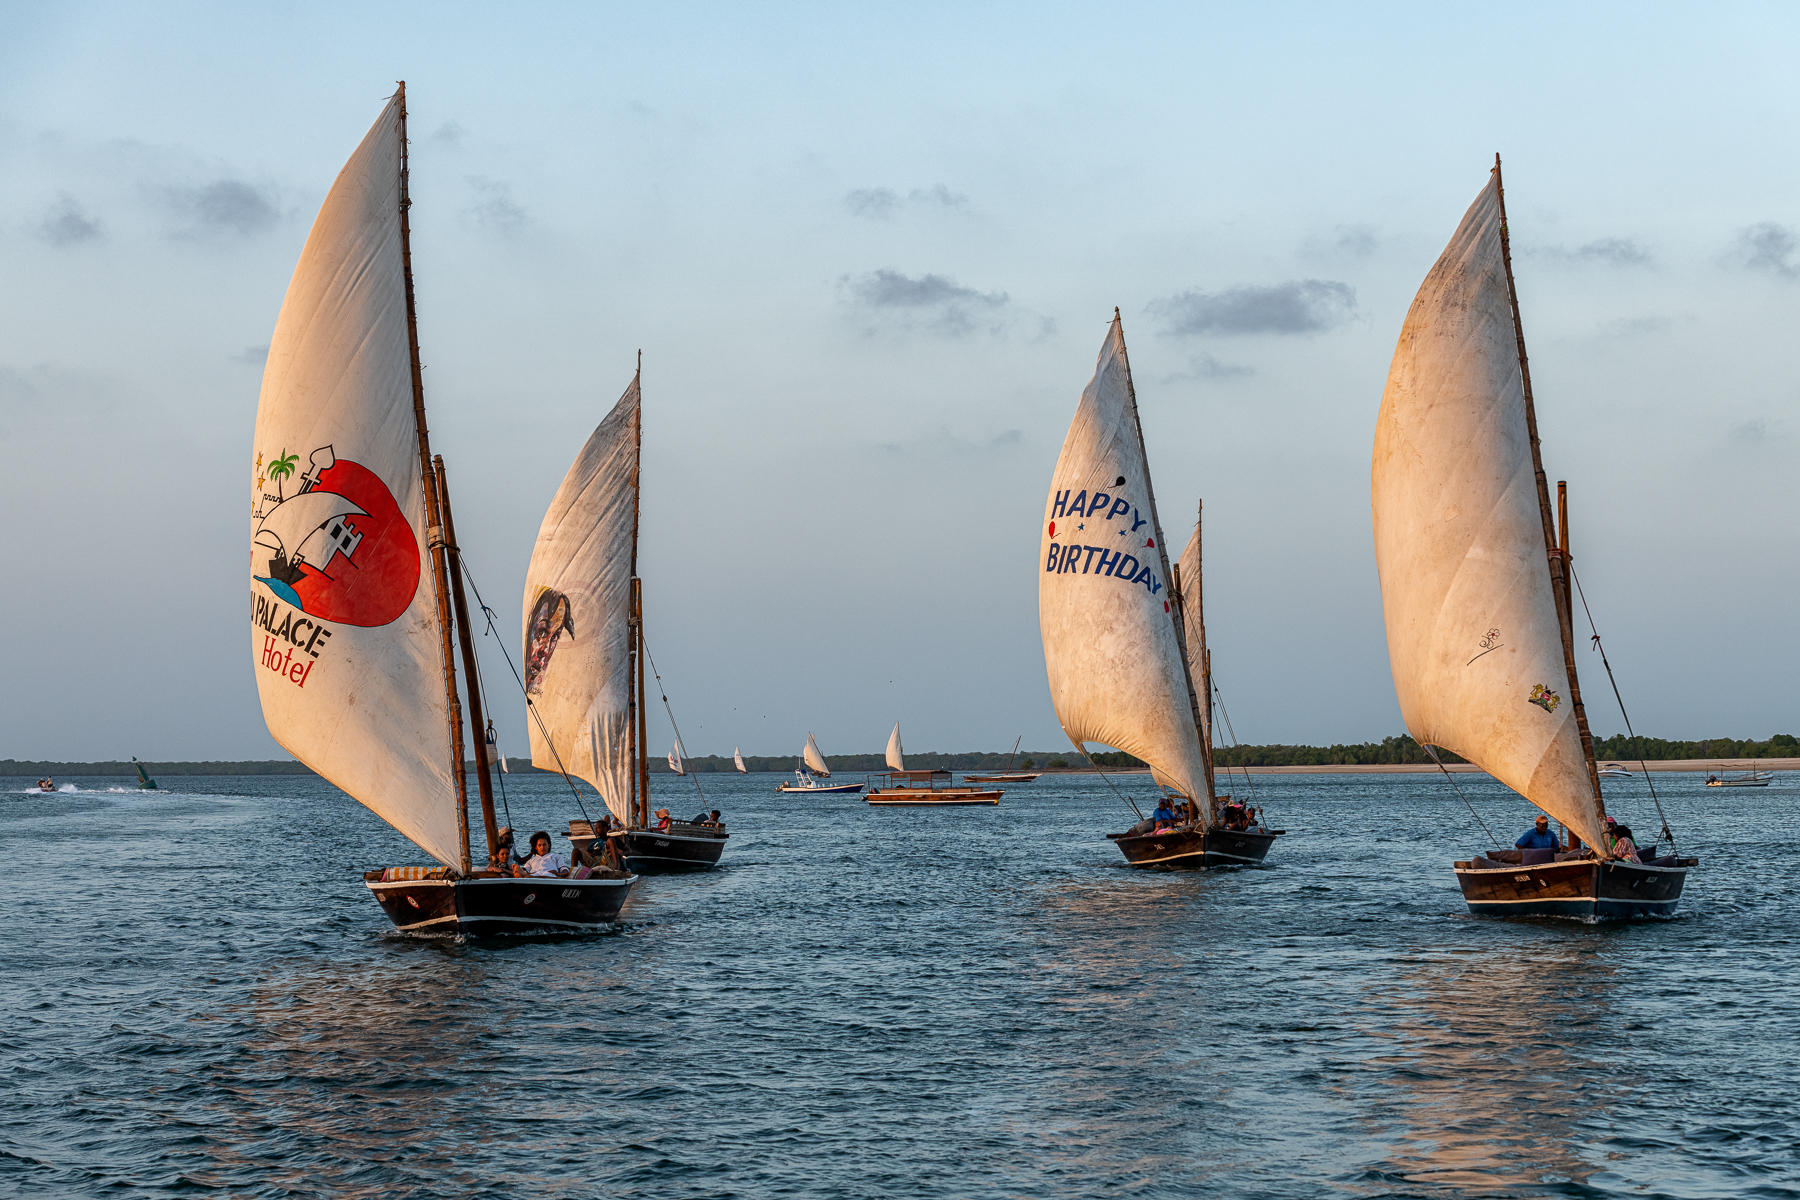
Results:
<point x="815" y="762"/>
<point x="677" y="764"/>
<point x="577" y="613"/>
<point x="1473" y="635"/>
<point x="737" y="760"/>
<point x="896" y="757"/>
<point x="1114" y="662"/>
<point x="344" y="637"/>
<point x="1193" y="628"/>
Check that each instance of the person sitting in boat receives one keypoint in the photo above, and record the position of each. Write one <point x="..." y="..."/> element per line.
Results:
<point x="717" y="821"/>
<point x="598" y="856"/>
<point x="1618" y="838"/>
<point x="1164" y="816"/>
<point x="46" y="784"/>
<point x="662" y="821"/>
<point x="543" y="860"/>
<point x="1538" y="837"/>
<point x="503" y="859"/>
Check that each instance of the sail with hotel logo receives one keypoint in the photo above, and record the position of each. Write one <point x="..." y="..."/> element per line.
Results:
<point x="1112" y="640"/>
<point x="347" y="642"/>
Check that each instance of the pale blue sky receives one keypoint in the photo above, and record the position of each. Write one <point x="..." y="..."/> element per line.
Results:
<point x="869" y="254"/>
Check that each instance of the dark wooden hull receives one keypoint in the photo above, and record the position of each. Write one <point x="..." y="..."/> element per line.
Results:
<point x="931" y="797"/>
<point x="1005" y="777"/>
<point x="499" y="905"/>
<point x="650" y="852"/>
<point x="1195" y="849"/>
<point x="830" y="789"/>
<point x="1584" y="888"/>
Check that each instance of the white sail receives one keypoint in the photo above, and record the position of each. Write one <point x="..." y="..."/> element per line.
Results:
<point x="344" y="636"/>
<point x="1110" y="647"/>
<point x="896" y="757"/>
<point x="577" y="613"/>
<point x="1194" y="631"/>
<point x="1460" y="545"/>
<point x="676" y="763"/>
<point x="737" y="760"/>
<point x="815" y="762"/>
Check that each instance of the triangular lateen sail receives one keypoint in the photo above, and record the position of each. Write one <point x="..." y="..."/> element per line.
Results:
<point x="577" y="614"/>
<point x="896" y="757"/>
<point x="1473" y="634"/>
<point x="1194" y="629"/>
<point x="815" y="762"/>
<point x="737" y="760"/>
<point x="677" y="763"/>
<point x="345" y="640"/>
<point x="1110" y="645"/>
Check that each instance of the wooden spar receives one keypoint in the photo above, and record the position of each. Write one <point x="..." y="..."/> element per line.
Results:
<point x="1162" y="553"/>
<point x="1204" y="684"/>
<point x="434" y="530"/>
<point x="1555" y="551"/>
<point x="640" y="726"/>
<point x="484" y="779"/>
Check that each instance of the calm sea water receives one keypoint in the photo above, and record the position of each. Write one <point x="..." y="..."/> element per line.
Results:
<point x="200" y="997"/>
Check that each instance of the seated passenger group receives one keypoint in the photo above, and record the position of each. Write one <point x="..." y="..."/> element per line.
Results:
<point x="1618" y="839"/>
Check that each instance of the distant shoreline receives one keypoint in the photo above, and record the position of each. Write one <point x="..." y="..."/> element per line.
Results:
<point x="14" y="768"/>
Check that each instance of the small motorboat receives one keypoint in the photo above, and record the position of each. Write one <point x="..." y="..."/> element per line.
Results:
<point x="46" y="784"/>
<point x="806" y="781"/>
<point x="1745" y="779"/>
<point x="1008" y="775"/>
<point x="922" y="789"/>
<point x="1615" y="771"/>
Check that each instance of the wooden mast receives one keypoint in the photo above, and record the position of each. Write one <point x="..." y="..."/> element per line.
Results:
<point x="640" y="741"/>
<point x="1555" y="549"/>
<point x="1204" y="683"/>
<point x="434" y="530"/>
<point x="1162" y="553"/>
<point x="471" y="676"/>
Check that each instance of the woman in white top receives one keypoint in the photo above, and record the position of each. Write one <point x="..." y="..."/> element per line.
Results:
<point x="542" y="860"/>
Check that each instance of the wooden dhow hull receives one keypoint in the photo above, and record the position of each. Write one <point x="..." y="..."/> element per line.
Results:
<point x="1196" y="849"/>
<point x="932" y="797"/>
<point x="1583" y="887"/>
<point x="430" y="902"/>
<point x="684" y="848"/>
<point x="1004" y="777"/>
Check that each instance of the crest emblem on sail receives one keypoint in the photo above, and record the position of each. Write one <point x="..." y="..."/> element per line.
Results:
<point x="1111" y="649"/>
<point x="815" y="762"/>
<point x="1473" y="634"/>
<point x="577" y="613"/>
<point x="346" y="645"/>
<point x="896" y="757"/>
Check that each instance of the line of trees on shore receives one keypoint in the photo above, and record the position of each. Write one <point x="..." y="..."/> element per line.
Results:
<point x="1390" y="750"/>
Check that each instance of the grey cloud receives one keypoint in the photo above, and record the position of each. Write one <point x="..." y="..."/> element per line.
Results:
<point x="1754" y="431"/>
<point x="68" y="224"/>
<point x="1205" y="366"/>
<point x="494" y="209"/>
<point x="450" y="135"/>
<point x="1344" y="241"/>
<point x="933" y="302"/>
<point x="250" y="356"/>
<point x="942" y="444"/>
<point x="1636" y="327"/>
<point x="883" y="203"/>
<point x="1297" y="307"/>
<point x="1606" y="252"/>
<point x="227" y="207"/>
<point x="1768" y="247"/>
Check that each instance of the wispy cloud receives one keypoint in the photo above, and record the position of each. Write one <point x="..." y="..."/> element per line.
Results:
<point x="1205" y="366"/>
<point x="1768" y="247"/>
<point x="449" y="135"/>
<point x="68" y="224"/>
<point x="1601" y="252"/>
<point x="944" y="444"/>
<point x="494" y="209"/>
<point x="1300" y="306"/>
<point x="250" y="356"/>
<point x="884" y="203"/>
<point x="1344" y="241"/>
<point x="934" y="302"/>
<point x="223" y="208"/>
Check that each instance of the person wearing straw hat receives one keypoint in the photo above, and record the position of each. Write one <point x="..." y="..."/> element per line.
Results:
<point x="662" y="821"/>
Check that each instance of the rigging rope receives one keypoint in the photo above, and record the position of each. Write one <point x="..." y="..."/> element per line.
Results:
<point x="1132" y="804"/>
<point x="1654" y="799"/>
<point x="665" y="699"/>
<point x="1232" y="734"/>
<point x="1432" y="750"/>
<point x="520" y="680"/>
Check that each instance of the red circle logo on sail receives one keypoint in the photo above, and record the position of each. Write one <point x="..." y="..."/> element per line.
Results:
<point x="334" y="543"/>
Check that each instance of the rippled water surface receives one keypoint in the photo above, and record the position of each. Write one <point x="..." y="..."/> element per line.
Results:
<point x="200" y="996"/>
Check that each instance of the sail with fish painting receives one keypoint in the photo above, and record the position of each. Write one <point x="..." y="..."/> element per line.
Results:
<point x="1476" y="584"/>
<point x="353" y="571"/>
<point x="585" y="656"/>
<point x="1115" y="644"/>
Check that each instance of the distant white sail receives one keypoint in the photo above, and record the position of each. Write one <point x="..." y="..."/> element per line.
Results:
<point x="1473" y="634"/>
<point x="815" y="762"/>
<point x="344" y="641"/>
<point x="676" y="763"/>
<point x="1110" y="648"/>
<point x="896" y="758"/>
<point x="577" y="613"/>
<point x="737" y="760"/>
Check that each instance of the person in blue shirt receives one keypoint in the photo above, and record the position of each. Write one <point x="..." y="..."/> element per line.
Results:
<point x="1539" y="837"/>
<point x="1164" y="815"/>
